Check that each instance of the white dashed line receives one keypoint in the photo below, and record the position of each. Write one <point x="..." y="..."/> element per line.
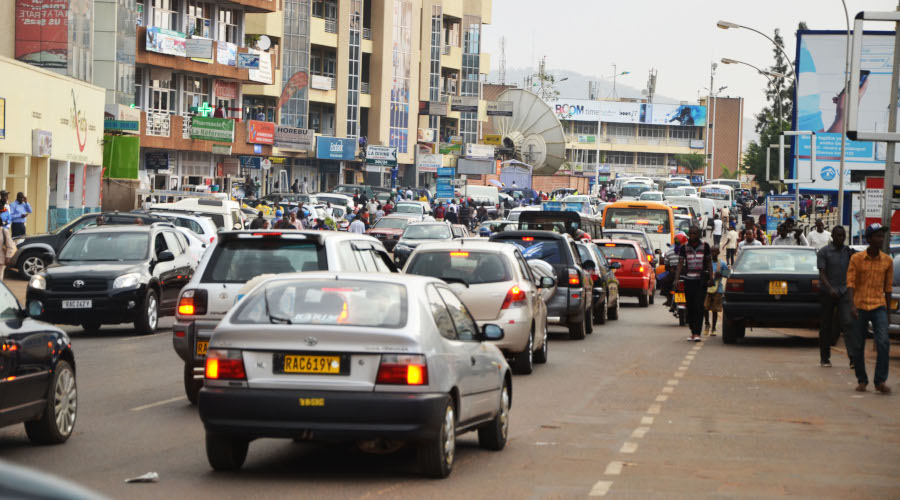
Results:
<point x="614" y="468"/>
<point x="601" y="488"/>
<point x="158" y="403"/>
<point x="668" y="389"/>
<point x="682" y="368"/>
<point x="679" y="374"/>
<point x="686" y="363"/>
<point x="672" y="382"/>
<point x="640" y="432"/>
<point x="654" y="409"/>
<point x="661" y="398"/>
<point x="646" y="420"/>
<point x="689" y="356"/>
<point x="628" y="447"/>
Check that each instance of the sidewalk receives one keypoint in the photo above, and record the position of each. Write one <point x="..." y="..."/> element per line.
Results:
<point x="16" y="285"/>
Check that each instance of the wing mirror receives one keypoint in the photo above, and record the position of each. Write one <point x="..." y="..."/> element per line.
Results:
<point x="492" y="332"/>
<point x="166" y="256"/>
<point x="547" y="282"/>
<point x="615" y="265"/>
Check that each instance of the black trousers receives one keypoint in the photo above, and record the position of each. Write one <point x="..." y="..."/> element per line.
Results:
<point x="694" y="294"/>
<point x="835" y="318"/>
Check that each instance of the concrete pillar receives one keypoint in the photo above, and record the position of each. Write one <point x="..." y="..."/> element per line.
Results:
<point x="77" y="197"/>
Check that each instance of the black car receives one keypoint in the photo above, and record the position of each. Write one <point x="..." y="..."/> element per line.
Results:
<point x="37" y="375"/>
<point x="568" y="306"/>
<point x="771" y="286"/>
<point x="114" y="274"/>
<point x="34" y="252"/>
<point x="603" y="278"/>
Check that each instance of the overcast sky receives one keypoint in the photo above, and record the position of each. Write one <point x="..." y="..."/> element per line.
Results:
<point x="678" y="38"/>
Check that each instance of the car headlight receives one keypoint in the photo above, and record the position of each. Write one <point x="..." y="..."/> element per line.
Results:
<point x="127" y="280"/>
<point x="38" y="282"/>
<point x="401" y="247"/>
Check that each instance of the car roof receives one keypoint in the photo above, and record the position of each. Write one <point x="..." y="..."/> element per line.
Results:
<point x="534" y="233"/>
<point x="123" y="228"/>
<point x="318" y="236"/>
<point x="404" y="279"/>
<point x="429" y="223"/>
<point x="626" y="231"/>
<point x="616" y="241"/>
<point x="479" y="244"/>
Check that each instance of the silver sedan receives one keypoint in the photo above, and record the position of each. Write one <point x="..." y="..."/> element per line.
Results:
<point x="379" y="359"/>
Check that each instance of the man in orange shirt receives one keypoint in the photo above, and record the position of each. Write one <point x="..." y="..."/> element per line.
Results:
<point x="870" y="278"/>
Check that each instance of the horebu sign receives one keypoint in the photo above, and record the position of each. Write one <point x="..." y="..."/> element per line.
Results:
<point x="293" y="138"/>
<point x="212" y="129"/>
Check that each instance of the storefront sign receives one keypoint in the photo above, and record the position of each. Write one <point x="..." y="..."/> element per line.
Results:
<point x="262" y="74"/>
<point x="226" y="53"/>
<point x="248" y="61"/>
<point x="493" y="139"/>
<point x="221" y="149"/>
<point x="587" y="139"/>
<point x="464" y="104"/>
<point x="42" y="32"/>
<point x="2" y="118"/>
<point x="374" y="168"/>
<point x="156" y="161"/>
<point x="429" y="162"/>
<point x="697" y="144"/>
<point x="604" y="168"/>
<point x="165" y="41"/>
<point x="335" y="148"/>
<point x="432" y="108"/>
<point x="225" y="90"/>
<point x="212" y="129"/>
<point x="479" y="151"/>
<point x="381" y="155"/>
<point x="499" y="108"/>
<point x="293" y="138"/>
<point x="320" y="82"/>
<point x="251" y="162"/>
<point x="426" y="135"/>
<point x="446" y="172"/>
<point x="41" y="143"/>
<point x="122" y="125"/>
<point x="444" y="188"/>
<point x="198" y="47"/>
<point x="475" y="167"/>
<point x="260" y="132"/>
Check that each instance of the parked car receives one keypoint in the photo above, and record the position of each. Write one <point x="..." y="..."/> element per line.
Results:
<point x="419" y="209"/>
<point x="202" y="225"/>
<point x="771" y="286"/>
<point x="354" y="357"/>
<point x="636" y="275"/>
<point x="417" y="233"/>
<point x="336" y="199"/>
<point x="497" y="286"/>
<point x="37" y="370"/>
<point x="111" y="275"/>
<point x="569" y="306"/>
<point x="351" y="189"/>
<point x="603" y="279"/>
<point x="459" y="231"/>
<point x="389" y="229"/>
<point x="634" y="235"/>
<point x="35" y="252"/>
<point x="227" y="214"/>
<point x="239" y="256"/>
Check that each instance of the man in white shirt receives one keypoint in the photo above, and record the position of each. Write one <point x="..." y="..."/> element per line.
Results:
<point x="305" y="186"/>
<point x="357" y="226"/>
<point x="717" y="230"/>
<point x="784" y="238"/>
<point x="748" y="241"/>
<point x="820" y="237"/>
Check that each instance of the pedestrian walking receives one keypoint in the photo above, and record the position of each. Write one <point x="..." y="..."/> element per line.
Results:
<point x="439" y="212"/>
<point x="750" y="227"/>
<point x="257" y="223"/>
<point x="7" y="245"/>
<point x="695" y="266"/>
<point x="305" y="186"/>
<point x="148" y="202"/>
<point x="297" y="223"/>
<point x="284" y="222"/>
<point x="18" y="212"/>
<point x="833" y="261"/>
<point x="464" y="213"/>
<point x="729" y="243"/>
<point x="717" y="229"/>
<point x="295" y="187"/>
<point x="357" y="226"/>
<point x="784" y="238"/>
<point x="714" y="294"/>
<point x="820" y="237"/>
<point x="870" y="278"/>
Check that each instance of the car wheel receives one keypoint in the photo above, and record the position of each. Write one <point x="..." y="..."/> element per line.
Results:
<point x="614" y="312"/>
<point x="643" y="300"/>
<point x="732" y="331"/>
<point x="149" y="314"/>
<point x="191" y="385"/>
<point x="576" y="331"/>
<point x="91" y="326"/>
<point x="493" y="435"/>
<point x="682" y="320"/>
<point x="58" y="418"/>
<point x="32" y="263"/>
<point x="652" y="296"/>
<point x="226" y="452"/>
<point x="600" y="316"/>
<point x="589" y="320"/>
<point x="436" y="456"/>
<point x="524" y="362"/>
<point x="542" y="355"/>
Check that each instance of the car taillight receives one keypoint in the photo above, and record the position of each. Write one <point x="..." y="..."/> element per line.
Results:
<point x="402" y="369"/>
<point x="595" y="276"/>
<point x="814" y="284"/>
<point x="680" y="286"/>
<point x="637" y="267"/>
<point x="574" y="277"/>
<point x="222" y="364"/>
<point x="212" y="239"/>
<point x="734" y="285"/>
<point x="192" y="302"/>
<point x="514" y="297"/>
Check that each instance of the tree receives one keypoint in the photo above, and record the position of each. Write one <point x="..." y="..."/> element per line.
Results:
<point x="692" y="162"/>
<point x="543" y="83"/>
<point x="727" y="173"/>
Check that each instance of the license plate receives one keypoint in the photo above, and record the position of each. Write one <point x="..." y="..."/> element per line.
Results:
<point x="77" y="304"/>
<point x="778" y="288"/>
<point x="679" y="298"/>
<point x="202" y="346"/>
<point x="301" y="363"/>
<point x="895" y="304"/>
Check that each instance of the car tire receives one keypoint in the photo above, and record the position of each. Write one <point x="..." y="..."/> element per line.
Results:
<point x="192" y="386"/>
<point x="226" y="452"/>
<point x="57" y="421"/>
<point x="589" y="320"/>
<point x="652" y="296"/>
<point x="576" y="330"/>
<point x="543" y="354"/>
<point x="613" y="313"/>
<point x="643" y="300"/>
<point x="600" y="317"/>
<point x="732" y="331"/>
<point x="493" y="436"/>
<point x="31" y="263"/>
<point x="148" y="318"/>
<point x="91" y="326"/>
<point x="524" y="361"/>
<point x="682" y="319"/>
<point x="436" y="457"/>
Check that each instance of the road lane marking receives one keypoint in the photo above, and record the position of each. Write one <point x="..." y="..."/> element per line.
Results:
<point x="686" y="363"/>
<point x="668" y="389"/>
<point x="689" y="356"/>
<point x="614" y="468"/>
<point x="661" y="398"/>
<point x="159" y="403"/>
<point x="601" y="488"/>
<point x="682" y="368"/>
<point x="640" y="432"/>
<point x="628" y="447"/>
<point x="654" y="409"/>
<point x="679" y="374"/>
<point x="142" y="337"/>
<point x="672" y="382"/>
<point x="646" y="420"/>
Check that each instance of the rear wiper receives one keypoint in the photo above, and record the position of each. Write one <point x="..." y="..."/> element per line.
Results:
<point x="274" y="319"/>
<point x="456" y="280"/>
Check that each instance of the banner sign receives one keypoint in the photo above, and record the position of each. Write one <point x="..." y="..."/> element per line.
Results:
<point x="493" y="139"/>
<point x="320" y="82"/>
<point x="779" y="208"/>
<point x="248" y="61"/>
<point x="42" y="32"/>
<point x="221" y="149"/>
<point x="225" y="90"/>
<point x="293" y="138"/>
<point x="427" y="135"/>
<point x="429" y="162"/>
<point x="698" y="144"/>
<point x="263" y="74"/>
<point x="156" y="161"/>
<point x="464" y="104"/>
<point x="165" y="41"/>
<point x="335" y="148"/>
<point x="432" y="108"/>
<point x="212" y="129"/>
<point x="41" y="143"/>
<point x="499" y="108"/>
<point x="122" y="125"/>
<point x="604" y="168"/>
<point x="446" y="172"/>
<point x="297" y="82"/>
<point x="201" y="48"/>
<point x="226" y="53"/>
<point x="479" y="151"/>
<point x="475" y="167"/>
<point x="381" y="155"/>
<point x="587" y="139"/>
<point x="251" y="162"/>
<point x="444" y="188"/>
<point x="259" y="132"/>
<point x="586" y="110"/>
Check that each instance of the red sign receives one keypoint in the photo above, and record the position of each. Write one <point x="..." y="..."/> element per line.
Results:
<point x="42" y="32"/>
<point x="226" y="90"/>
<point x="260" y="132"/>
<point x="298" y="81"/>
<point x="873" y="195"/>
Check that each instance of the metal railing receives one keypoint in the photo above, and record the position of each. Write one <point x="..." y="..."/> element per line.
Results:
<point x="158" y="124"/>
<point x="186" y="127"/>
<point x="330" y="26"/>
<point x="365" y="88"/>
<point x="367" y="33"/>
<point x="650" y="141"/>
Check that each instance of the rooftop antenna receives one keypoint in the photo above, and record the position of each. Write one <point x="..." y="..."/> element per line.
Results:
<point x="651" y="85"/>
<point x="613" y="94"/>
<point x="502" y="60"/>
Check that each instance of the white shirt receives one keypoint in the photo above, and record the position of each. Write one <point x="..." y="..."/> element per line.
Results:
<point x="819" y="240"/>
<point x="717" y="227"/>
<point x="305" y="187"/>
<point x="357" y="226"/>
<point x="744" y="243"/>
<point x="790" y="240"/>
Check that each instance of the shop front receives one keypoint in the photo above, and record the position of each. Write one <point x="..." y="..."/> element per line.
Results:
<point x="339" y="151"/>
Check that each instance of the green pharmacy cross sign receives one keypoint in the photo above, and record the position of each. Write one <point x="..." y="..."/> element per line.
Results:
<point x="205" y="110"/>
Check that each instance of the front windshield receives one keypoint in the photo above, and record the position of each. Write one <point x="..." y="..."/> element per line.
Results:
<point x="635" y="190"/>
<point x="106" y="246"/>
<point x="651" y="196"/>
<point x="616" y="235"/>
<point x="751" y="260"/>
<point x="408" y="208"/>
<point x="719" y="194"/>
<point x="334" y="200"/>
<point x="535" y="248"/>
<point x="427" y="232"/>
<point x="331" y="303"/>
<point x="649" y="220"/>
<point x="391" y="224"/>
<point x="473" y="268"/>
<point x="674" y="192"/>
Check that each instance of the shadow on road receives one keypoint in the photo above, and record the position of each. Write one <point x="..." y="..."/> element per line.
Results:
<point x="785" y="342"/>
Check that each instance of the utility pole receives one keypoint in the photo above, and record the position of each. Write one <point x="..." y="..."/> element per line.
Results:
<point x="614" y="94"/>
<point x="503" y="60"/>
<point x="709" y="116"/>
<point x="886" y="204"/>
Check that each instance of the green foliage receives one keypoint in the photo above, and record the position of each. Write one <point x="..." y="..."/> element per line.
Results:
<point x="692" y="162"/>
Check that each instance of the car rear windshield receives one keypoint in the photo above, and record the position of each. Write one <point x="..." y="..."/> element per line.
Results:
<point x="780" y="261"/>
<point x="549" y="250"/>
<point x="408" y="208"/>
<point x="427" y="232"/>
<point x="321" y="302"/>
<point x="106" y="246"/>
<point x="613" y="235"/>
<point x="240" y="260"/>
<point x="619" y="251"/>
<point x="474" y="268"/>
<point x="635" y="190"/>
<point x="643" y="219"/>
<point x="391" y="224"/>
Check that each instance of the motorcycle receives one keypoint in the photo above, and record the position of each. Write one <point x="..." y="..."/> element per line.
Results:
<point x="679" y="304"/>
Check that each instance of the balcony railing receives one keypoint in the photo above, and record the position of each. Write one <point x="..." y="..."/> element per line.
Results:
<point x="330" y="26"/>
<point x="186" y="127"/>
<point x="445" y="50"/>
<point x="629" y="139"/>
<point x="158" y="124"/>
<point x="365" y="88"/>
<point x="367" y="33"/>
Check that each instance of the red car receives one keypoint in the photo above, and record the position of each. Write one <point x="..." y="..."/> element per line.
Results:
<point x="389" y="229"/>
<point x="636" y="276"/>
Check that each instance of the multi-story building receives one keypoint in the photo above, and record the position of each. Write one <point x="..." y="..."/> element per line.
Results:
<point x="725" y="129"/>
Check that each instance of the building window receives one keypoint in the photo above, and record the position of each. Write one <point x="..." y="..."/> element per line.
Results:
<point x="259" y="108"/>
<point x="679" y="132"/>
<point x="399" y="111"/>
<point x="652" y="131"/>
<point x="295" y="58"/>
<point x="355" y="67"/>
<point x="434" y="75"/>
<point x="585" y="128"/>
<point x="138" y="87"/>
<point x="620" y="129"/>
<point x="229" y="31"/>
<point x="199" y="18"/>
<point x="165" y="14"/>
<point x="470" y="86"/>
<point x="620" y="158"/>
<point x="196" y="92"/>
<point x="162" y="96"/>
<point x="651" y="159"/>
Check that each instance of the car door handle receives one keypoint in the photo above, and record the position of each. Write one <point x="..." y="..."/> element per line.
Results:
<point x="472" y="359"/>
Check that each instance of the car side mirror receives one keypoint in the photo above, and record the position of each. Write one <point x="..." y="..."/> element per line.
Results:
<point x="589" y="265"/>
<point x="657" y="252"/>
<point x="165" y="256"/>
<point x="35" y="309"/>
<point x="492" y="332"/>
<point x="615" y="265"/>
<point x="547" y="282"/>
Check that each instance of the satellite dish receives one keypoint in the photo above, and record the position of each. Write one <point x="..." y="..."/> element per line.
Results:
<point x="533" y="131"/>
<point x="264" y="43"/>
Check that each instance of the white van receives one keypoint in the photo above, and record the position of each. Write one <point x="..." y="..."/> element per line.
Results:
<point x="720" y="194"/>
<point x="732" y="183"/>
<point x="226" y="214"/>
<point x="696" y="205"/>
<point x="481" y="194"/>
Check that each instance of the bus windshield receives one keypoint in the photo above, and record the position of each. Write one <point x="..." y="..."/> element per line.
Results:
<point x="650" y="220"/>
<point x="721" y="194"/>
<point x="635" y="190"/>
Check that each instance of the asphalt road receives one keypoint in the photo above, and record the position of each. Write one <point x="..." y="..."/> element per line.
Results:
<point x="633" y="411"/>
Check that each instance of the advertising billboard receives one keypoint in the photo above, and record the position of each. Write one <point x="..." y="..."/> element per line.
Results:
<point x="293" y="138"/>
<point x="819" y="100"/>
<point x="586" y="110"/>
<point x="42" y="33"/>
<point x="166" y="41"/>
<point x="335" y="148"/>
<point x="428" y="162"/>
<point x="259" y="132"/>
<point x="779" y="208"/>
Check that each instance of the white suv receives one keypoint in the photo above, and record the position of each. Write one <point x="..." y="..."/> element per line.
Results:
<point x="202" y="225"/>
<point x="237" y="257"/>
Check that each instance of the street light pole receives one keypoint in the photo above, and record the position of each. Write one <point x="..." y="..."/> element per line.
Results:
<point x="844" y="121"/>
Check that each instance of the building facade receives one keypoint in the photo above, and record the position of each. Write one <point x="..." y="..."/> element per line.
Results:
<point x="725" y="147"/>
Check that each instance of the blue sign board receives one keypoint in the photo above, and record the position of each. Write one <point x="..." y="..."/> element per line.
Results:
<point x="444" y="188"/>
<point x="446" y="172"/>
<point x="696" y="179"/>
<point x="252" y="162"/>
<point x="334" y="148"/>
<point x="248" y="61"/>
<point x="779" y="208"/>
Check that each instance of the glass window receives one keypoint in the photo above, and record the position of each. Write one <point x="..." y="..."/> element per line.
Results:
<point x="526" y="269"/>
<point x="427" y="232"/>
<point x="199" y="19"/>
<point x="165" y="14"/>
<point x="173" y="243"/>
<point x="229" y="31"/>
<point x="196" y="92"/>
<point x="391" y="223"/>
<point x="138" y="87"/>
<point x="643" y="219"/>
<point x="472" y="268"/>
<point x="549" y="250"/>
<point x="621" y="129"/>
<point x="680" y="132"/>
<point x="105" y="246"/>
<point x="780" y="261"/>
<point x="618" y="251"/>
<point x="651" y="159"/>
<point x="240" y="260"/>
<point x="466" y="329"/>
<point x="9" y="306"/>
<point x="440" y="314"/>
<point x="620" y="157"/>
<point x="652" y="130"/>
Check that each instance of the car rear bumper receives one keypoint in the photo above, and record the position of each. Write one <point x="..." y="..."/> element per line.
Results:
<point x="186" y="333"/>
<point x="774" y="313"/>
<point x="633" y="285"/>
<point x="107" y="306"/>
<point x="257" y="413"/>
<point x="565" y="307"/>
